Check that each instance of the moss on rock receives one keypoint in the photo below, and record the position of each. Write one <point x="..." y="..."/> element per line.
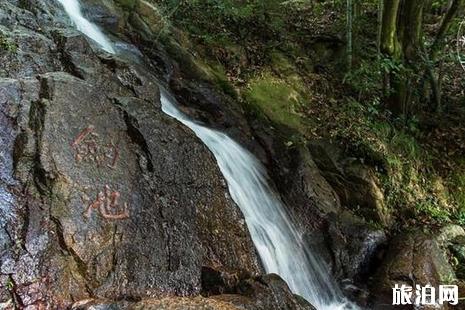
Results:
<point x="277" y="100"/>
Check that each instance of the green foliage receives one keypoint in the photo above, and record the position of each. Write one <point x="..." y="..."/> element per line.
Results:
<point x="461" y="217"/>
<point x="437" y="5"/>
<point x="10" y="284"/>
<point x="405" y="144"/>
<point x="365" y="79"/>
<point x="412" y="188"/>
<point x="7" y="45"/>
<point x="431" y="208"/>
<point x="393" y="66"/>
<point x="232" y="20"/>
<point x="278" y="100"/>
<point x="218" y="76"/>
<point x="372" y="132"/>
<point x="457" y="184"/>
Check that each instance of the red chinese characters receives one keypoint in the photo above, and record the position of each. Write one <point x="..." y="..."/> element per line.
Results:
<point x="88" y="148"/>
<point x="108" y="205"/>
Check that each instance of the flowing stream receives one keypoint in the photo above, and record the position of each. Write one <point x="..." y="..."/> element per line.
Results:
<point x="73" y="9"/>
<point x="279" y="244"/>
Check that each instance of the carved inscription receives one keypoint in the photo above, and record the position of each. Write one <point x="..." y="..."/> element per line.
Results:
<point x="88" y="147"/>
<point x="107" y="203"/>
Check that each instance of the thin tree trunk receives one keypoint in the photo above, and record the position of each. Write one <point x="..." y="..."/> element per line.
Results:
<point x="356" y="9"/>
<point x="434" y="80"/>
<point x="454" y="8"/>
<point x="349" y="34"/>
<point x="412" y="21"/>
<point x="412" y="43"/>
<point x="380" y="26"/>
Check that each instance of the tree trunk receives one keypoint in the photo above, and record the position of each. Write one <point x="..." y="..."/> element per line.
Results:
<point x="411" y="29"/>
<point x="349" y="34"/>
<point x="389" y="41"/>
<point x="455" y="7"/>
<point x="435" y="82"/>
<point x="390" y="47"/>
<point x="401" y="41"/>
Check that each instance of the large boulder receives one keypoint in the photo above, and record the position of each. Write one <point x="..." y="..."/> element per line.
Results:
<point x="345" y="240"/>
<point x="413" y="258"/>
<point x="101" y="194"/>
<point x="356" y="184"/>
<point x="452" y="237"/>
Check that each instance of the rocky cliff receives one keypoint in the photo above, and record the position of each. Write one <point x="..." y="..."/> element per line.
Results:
<point x="107" y="202"/>
<point x="102" y="195"/>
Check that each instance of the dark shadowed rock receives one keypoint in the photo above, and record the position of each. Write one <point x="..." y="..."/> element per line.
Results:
<point x="217" y="282"/>
<point x="413" y="258"/>
<point x="346" y="241"/>
<point x="356" y="184"/>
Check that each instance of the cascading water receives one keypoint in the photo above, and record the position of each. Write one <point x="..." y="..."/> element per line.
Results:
<point x="278" y="243"/>
<point x="73" y="9"/>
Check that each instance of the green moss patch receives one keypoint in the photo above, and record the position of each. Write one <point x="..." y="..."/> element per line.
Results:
<point x="277" y="99"/>
<point x="7" y="44"/>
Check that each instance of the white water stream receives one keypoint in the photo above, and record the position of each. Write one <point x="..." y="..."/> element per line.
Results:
<point x="279" y="244"/>
<point x="73" y="9"/>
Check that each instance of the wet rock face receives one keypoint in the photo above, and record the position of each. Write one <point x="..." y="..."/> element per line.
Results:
<point x="183" y="303"/>
<point x="412" y="258"/>
<point x="101" y="194"/>
<point x="345" y="241"/>
<point x="355" y="183"/>
<point x="261" y="293"/>
<point x="25" y="29"/>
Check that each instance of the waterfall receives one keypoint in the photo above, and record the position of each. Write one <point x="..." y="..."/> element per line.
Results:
<point x="279" y="244"/>
<point x="73" y="9"/>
